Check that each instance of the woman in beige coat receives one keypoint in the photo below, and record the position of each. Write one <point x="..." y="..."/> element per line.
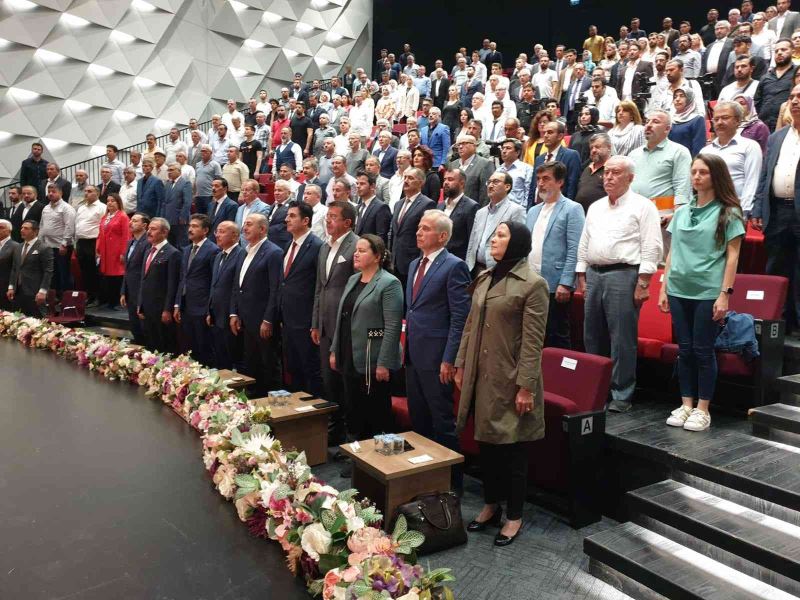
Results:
<point x="498" y="370"/>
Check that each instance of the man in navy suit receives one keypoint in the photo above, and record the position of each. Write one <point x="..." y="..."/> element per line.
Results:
<point x="277" y="216"/>
<point x="776" y="208"/>
<point x="407" y="213"/>
<point x="461" y="211"/>
<point x="159" y="284"/>
<point x="227" y="347"/>
<point x="386" y="154"/>
<point x="438" y="303"/>
<point x="556" y="224"/>
<point x="149" y="190"/>
<point x="436" y="136"/>
<point x="194" y="289"/>
<point x="221" y="208"/>
<point x="137" y="249"/>
<point x="372" y="215"/>
<point x="254" y="304"/>
<point x="177" y="206"/>
<point x="298" y="277"/>
<point x="553" y="135"/>
<point x="579" y="83"/>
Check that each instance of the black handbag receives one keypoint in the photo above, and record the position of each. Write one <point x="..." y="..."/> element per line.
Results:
<point x="438" y="518"/>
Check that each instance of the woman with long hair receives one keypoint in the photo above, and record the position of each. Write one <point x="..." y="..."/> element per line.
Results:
<point x="587" y="127"/>
<point x="688" y="127"/>
<point x="498" y="370"/>
<point x="451" y="110"/>
<point x="112" y="240"/>
<point x="464" y="117"/>
<point x="422" y="158"/>
<point x="534" y="145"/>
<point x="628" y="131"/>
<point x="751" y="126"/>
<point x="698" y="281"/>
<point x="610" y="59"/>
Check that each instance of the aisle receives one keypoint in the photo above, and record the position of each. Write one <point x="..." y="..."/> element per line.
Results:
<point x="103" y="495"/>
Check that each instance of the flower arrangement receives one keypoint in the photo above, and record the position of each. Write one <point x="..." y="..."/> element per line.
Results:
<point x="330" y="538"/>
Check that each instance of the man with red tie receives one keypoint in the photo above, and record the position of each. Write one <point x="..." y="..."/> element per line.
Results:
<point x="160" y="277"/>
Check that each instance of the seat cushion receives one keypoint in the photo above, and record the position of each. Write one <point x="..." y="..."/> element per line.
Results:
<point x="669" y="353"/>
<point x="402" y="419"/>
<point x="649" y="348"/>
<point x="558" y="406"/>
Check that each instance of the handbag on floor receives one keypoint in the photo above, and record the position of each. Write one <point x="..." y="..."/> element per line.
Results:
<point x="438" y="518"/>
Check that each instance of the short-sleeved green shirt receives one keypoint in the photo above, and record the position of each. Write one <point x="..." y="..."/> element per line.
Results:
<point x="697" y="266"/>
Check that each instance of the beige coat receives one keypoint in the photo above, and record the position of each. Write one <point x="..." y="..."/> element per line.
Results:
<point x="500" y="352"/>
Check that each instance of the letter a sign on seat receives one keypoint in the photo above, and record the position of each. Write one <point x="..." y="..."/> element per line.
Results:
<point x="586" y="425"/>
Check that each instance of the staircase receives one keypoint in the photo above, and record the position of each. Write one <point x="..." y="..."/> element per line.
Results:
<point x="724" y="526"/>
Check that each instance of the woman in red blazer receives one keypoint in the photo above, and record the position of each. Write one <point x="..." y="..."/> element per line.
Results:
<point x="112" y="242"/>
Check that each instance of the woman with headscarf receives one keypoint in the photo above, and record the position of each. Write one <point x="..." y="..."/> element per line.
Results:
<point x="498" y="370"/>
<point x="587" y="127"/>
<point x="688" y="127"/>
<point x="751" y="126"/>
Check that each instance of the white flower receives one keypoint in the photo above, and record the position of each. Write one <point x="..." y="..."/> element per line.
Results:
<point x="412" y="595"/>
<point x="339" y="593"/>
<point x="315" y="540"/>
<point x="267" y="489"/>
<point x="347" y="509"/>
<point x="328" y="503"/>
<point x="355" y="523"/>
<point x="258" y="444"/>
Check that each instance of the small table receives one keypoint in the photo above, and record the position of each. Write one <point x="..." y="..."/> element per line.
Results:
<point x="234" y="380"/>
<point x="390" y="481"/>
<point x="305" y="429"/>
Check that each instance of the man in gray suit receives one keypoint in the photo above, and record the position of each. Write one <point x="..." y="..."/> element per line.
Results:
<point x="31" y="271"/>
<point x="499" y="209"/>
<point x="786" y="20"/>
<point x="476" y="168"/>
<point x="7" y="249"/>
<point x="334" y="268"/>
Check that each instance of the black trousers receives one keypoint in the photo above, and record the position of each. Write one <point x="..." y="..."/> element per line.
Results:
<point x="505" y="475"/>
<point x="369" y="410"/>
<point x="261" y="360"/>
<point x="87" y="261"/>
<point x="557" y="330"/>
<point x="782" y="243"/>
<point x="197" y="338"/>
<point x="159" y="336"/>
<point x="302" y="360"/>
<point x="333" y="391"/>
<point x="62" y="276"/>
<point x="27" y="305"/>
<point x="227" y="348"/>
<point x="110" y="287"/>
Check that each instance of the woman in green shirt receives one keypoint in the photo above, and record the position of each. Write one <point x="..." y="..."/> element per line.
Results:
<point x="700" y="269"/>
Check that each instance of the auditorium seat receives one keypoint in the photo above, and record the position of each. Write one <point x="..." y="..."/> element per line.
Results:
<point x="72" y="309"/>
<point x="399" y="128"/>
<point x="753" y="257"/>
<point x="655" y="327"/>
<point x="576" y="317"/>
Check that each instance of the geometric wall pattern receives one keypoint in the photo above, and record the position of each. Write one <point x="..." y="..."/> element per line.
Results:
<point x="79" y="74"/>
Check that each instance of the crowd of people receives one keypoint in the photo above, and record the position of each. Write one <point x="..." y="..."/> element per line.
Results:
<point x="470" y="204"/>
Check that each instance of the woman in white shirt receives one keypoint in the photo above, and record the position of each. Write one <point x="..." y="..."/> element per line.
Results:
<point x="386" y="107"/>
<point x="628" y="131"/>
<point x="763" y="35"/>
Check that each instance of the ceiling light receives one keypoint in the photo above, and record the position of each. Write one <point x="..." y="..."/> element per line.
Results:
<point x="49" y="57"/>
<point x="290" y="53"/>
<point x="304" y="27"/>
<point x="164" y="124"/>
<point x="54" y="144"/>
<point x="254" y="44"/>
<point x="334" y="37"/>
<point x="144" y="82"/>
<point x="270" y="17"/>
<point x="5" y="135"/>
<point x="73" y="20"/>
<point x="319" y="3"/>
<point x="238" y="72"/>
<point x="124" y="115"/>
<point x="4" y="43"/>
<point x="237" y="6"/>
<point x="21" y="4"/>
<point x="142" y="6"/>
<point x="321" y="61"/>
<point x="121" y="37"/>
<point x="100" y="70"/>
<point x="77" y="105"/>
<point x="21" y="94"/>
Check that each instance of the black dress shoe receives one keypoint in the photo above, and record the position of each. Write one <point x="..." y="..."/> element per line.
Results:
<point x="495" y="521"/>
<point x="503" y="540"/>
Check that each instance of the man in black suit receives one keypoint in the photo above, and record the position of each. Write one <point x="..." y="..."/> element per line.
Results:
<point x="107" y="185"/>
<point x="54" y="177"/>
<point x="31" y="271"/>
<point x="194" y="288"/>
<point x="34" y="168"/>
<point x="277" y="216"/>
<point x="15" y="198"/>
<point x="386" y="154"/>
<point x="460" y="208"/>
<point x="476" y="169"/>
<point x="334" y="268"/>
<point x="579" y="83"/>
<point x="407" y="213"/>
<point x="494" y="56"/>
<point x="137" y="249"/>
<point x="158" y="288"/>
<point x="29" y="209"/>
<point x="7" y="250"/>
<point x="222" y="207"/>
<point x="299" y="275"/>
<point x="254" y="305"/>
<point x="715" y="58"/>
<point x="372" y="215"/>
<point x="440" y="89"/>
<point x="227" y="347"/>
<point x="629" y="79"/>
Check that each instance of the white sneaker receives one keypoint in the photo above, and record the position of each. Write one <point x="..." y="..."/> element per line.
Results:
<point x="697" y="421"/>
<point x="678" y="416"/>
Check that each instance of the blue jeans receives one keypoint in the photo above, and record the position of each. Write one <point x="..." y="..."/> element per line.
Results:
<point x="696" y="332"/>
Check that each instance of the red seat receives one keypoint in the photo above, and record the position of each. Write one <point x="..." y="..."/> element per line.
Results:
<point x="402" y="418"/>
<point x="269" y="192"/>
<point x="655" y="327"/>
<point x="264" y="179"/>
<point x="399" y="128"/>
<point x="753" y="258"/>
<point x="762" y="296"/>
<point x="576" y="317"/>
<point x="72" y="309"/>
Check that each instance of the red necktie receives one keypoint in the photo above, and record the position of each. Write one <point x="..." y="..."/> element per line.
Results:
<point x="150" y="256"/>
<point x="420" y="277"/>
<point x="290" y="261"/>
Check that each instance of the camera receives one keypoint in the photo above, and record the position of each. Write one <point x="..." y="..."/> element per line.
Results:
<point x="706" y="85"/>
<point x="494" y="149"/>
<point x="645" y="85"/>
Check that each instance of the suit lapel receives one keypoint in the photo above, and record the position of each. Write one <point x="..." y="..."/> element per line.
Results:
<point x="368" y="289"/>
<point x="300" y="253"/>
<point x="430" y="273"/>
<point x="556" y="210"/>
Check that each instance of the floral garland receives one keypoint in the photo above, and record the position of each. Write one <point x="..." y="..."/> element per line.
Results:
<point x="333" y="540"/>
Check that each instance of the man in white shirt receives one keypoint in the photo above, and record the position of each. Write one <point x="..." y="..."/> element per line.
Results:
<point x="263" y="104"/>
<point x="460" y="72"/>
<point x="674" y="70"/>
<point x="173" y="145"/>
<point x="56" y="232"/>
<point x="127" y="191"/>
<point x="113" y="163"/>
<point x="396" y="180"/>
<point x="312" y="195"/>
<point x="521" y="173"/>
<point x="604" y="98"/>
<point x="691" y="59"/>
<point x="87" y="227"/>
<point x="743" y="83"/>
<point x="545" y="80"/>
<point x="361" y="115"/>
<point x="193" y="126"/>
<point x="79" y="187"/>
<point x="219" y="145"/>
<point x="339" y="171"/>
<point x="480" y="68"/>
<point x="619" y="251"/>
<point x="227" y="118"/>
<point x="341" y="142"/>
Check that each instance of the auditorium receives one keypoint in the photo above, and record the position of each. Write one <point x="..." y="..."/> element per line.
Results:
<point x="265" y="266"/>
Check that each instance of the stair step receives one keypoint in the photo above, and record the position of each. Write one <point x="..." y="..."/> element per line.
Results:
<point x="767" y="541"/>
<point x="673" y="570"/>
<point x="788" y="383"/>
<point x="777" y="416"/>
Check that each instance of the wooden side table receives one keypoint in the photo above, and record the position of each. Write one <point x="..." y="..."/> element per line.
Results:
<point x="390" y="481"/>
<point x="234" y="380"/>
<point x="305" y="429"/>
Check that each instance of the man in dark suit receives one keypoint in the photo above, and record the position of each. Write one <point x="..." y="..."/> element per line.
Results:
<point x="476" y="169"/>
<point x="254" y="305"/>
<point x="775" y="212"/>
<point x="194" y="289"/>
<point x="149" y="190"/>
<point x="30" y="209"/>
<point x="311" y="173"/>
<point x="440" y="89"/>
<point x="54" y="178"/>
<point x="493" y="56"/>
<point x="438" y="303"/>
<point x="160" y="276"/>
<point x="372" y="215"/>
<point x="407" y="213"/>
<point x="135" y="253"/>
<point x="107" y="185"/>
<point x="636" y="67"/>
<point x="553" y="135"/>
<point x="34" y="168"/>
<point x="334" y="268"/>
<point x="715" y="58"/>
<point x="579" y="83"/>
<point x="7" y="249"/>
<point x="31" y="271"/>
<point x="386" y="154"/>
<point x="298" y="277"/>
<point x="277" y="216"/>
<point x="177" y="206"/>
<point x="461" y="209"/>
<point x="789" y="20"/>
<point x="227" y="347"/>
<point x="221" y="208"/>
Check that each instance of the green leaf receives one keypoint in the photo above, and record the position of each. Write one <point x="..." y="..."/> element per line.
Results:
<point x="282" y="491"/>
<point x="347" y="495"/>
<point x="338" y="524"/>
<point x="415" y="539"/>
<point x="328" y="518"/>
<point x="361" y="588"/>
<point x="301" y="458"/>
<point x="236" y="437"/>
<point x="400" y="527"/>
<point x="371" y="515"/>
<point x="338" y="537"/>
<point x="328" y="562"/>
<point x="403" y="549"/>
<point x="259" y="429"/>
<point x="315" y="587"/>
<point x="247" y="483"/>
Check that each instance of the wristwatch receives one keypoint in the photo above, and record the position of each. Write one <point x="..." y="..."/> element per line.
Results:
<point x="643" y="284"/>
<point x="728" y="291"/>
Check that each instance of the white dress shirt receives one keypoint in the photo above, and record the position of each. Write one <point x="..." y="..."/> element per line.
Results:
<point x="783" y="179"/>
<point x="127" y="193"/>
<point x="227" y="118"/>
<point x="743" y="157"/>
<point x="332" y="253"/>
<point x="712" y="56"/>
<point x="450" y="205"/>
<point x="251" y="253"/>
<point x="730" y="91"/>
<point x="299" y="241"/>
<point x="628" y="231"/>
<point x="537" y="237"/>
<point x="87" y="220"/>
<point x="172" y="148"/>
<point x="57" y="227"/>
<point x="318" y="221"/>
<point x="627" y="81"/>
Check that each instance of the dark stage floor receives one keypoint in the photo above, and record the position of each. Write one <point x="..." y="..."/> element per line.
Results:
<point x="103" y="495"/>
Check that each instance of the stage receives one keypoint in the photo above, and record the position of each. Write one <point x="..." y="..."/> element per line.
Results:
<point x="103" y="494"/>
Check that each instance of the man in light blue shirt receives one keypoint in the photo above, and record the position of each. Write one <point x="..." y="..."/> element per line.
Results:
<point x="422" y="82"/>
<point x="206" y="171"/>
<point x="219" y="145"/>
<point x="521" y="173"/>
